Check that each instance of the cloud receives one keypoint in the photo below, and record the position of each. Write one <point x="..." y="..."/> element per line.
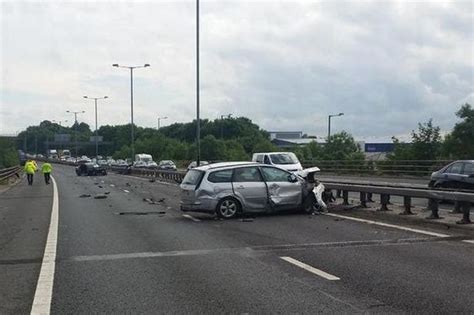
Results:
<point x="285" y="65"/>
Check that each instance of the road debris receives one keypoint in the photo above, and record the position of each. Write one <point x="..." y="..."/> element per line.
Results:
<point x="100" y="196"/>
<point x="84" y="196"/>
<point x="152" y="180"/>
<point x="107" y="192"/>
<point x="246" y="220"/>
<point x="100" y="186"/>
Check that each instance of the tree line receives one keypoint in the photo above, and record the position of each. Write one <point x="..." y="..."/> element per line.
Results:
<point x="232" y="139"/>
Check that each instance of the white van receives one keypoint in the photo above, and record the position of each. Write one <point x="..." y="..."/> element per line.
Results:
<point x="285" y="160"/>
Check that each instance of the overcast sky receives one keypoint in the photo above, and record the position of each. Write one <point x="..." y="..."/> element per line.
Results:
<point x="284" y="64"/>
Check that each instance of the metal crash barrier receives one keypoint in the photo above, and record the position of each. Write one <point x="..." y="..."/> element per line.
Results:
<point x="462" y="199"/>
<point x="7" y="173"/>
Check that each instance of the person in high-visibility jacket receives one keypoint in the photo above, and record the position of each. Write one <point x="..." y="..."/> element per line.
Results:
<point x="30" y="170"/>
<point x="46" y="168"/>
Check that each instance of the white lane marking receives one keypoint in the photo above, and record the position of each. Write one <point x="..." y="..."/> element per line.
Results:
<point x="126" y="191"/>
<point x="44" y="287"/>
<point x="469" y="241"/>
<point x="387" y="225"/>
<point x="311" y="269"/>
<point x="191" y="218"/>
<point x="112" y="185"/>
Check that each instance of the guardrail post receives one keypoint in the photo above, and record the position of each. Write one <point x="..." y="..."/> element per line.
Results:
<point x="433" y="205"/>
<point x="363" y="199"/>
<point x="384" y="198"/>
<point x="345" y="196"/>
<point x="407" y="205"/>
<point x="466" y="209"/>
<point x="369" y="197"/>
<point x="457" y="207"/>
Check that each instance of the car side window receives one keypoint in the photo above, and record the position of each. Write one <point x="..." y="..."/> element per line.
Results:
<point x="271" y="174"/>
<point x="247" y="174"/>
<point x="454" y="169"/>
<point x="468" y="168"/>
<point x="260" y="158"/>
<point x="224" y="176"/>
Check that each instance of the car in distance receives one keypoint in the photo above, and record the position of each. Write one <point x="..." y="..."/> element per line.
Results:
<point x="456" y="175"/>
<point x="193" y="164"/>
<point x="167" y="165"/>
<point x="285" y="160"/>
<point x="90" y="169"/>
<point x="139" y="164"/>
<point x="230" y="188"/>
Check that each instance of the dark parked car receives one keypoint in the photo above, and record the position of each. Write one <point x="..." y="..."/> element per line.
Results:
<point x="458" y="175"/>
<point x="167" y="165"/>
<point x="90" y="169"/>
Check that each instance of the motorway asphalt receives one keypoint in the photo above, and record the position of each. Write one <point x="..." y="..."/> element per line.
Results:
<point x="126" y="255"/>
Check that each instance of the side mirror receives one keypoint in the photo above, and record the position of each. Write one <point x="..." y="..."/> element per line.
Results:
<point x="292" y="178"/>
<point x="471" y="176"/>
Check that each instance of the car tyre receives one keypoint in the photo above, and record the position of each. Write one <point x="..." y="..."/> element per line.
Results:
<point x="228" y="208"/>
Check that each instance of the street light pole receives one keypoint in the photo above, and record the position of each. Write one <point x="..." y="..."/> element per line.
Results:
<point x="159" y="118"/>
<point x="131" y="101"/>
<point x="198" y="121"/>
<point x="96" y="134"/>
<point x="75" y="126"/>
<point x="329" y="124"/>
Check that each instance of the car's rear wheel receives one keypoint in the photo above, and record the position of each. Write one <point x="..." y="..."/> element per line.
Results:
<point x="228" y="208"/>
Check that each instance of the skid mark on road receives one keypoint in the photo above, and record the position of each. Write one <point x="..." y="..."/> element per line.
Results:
<point x="44" y="287"/>
<point x="254" y="250"/>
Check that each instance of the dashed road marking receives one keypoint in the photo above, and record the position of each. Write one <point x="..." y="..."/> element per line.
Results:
<point x="311" y="269"/>
<point x="469" y="241"/>
<point x="387" y="225"/>
<point x="126" y="191"/>
<point x="112" y="185"/>
<point x="191" y="218"/>
<point x="44" y="287"/>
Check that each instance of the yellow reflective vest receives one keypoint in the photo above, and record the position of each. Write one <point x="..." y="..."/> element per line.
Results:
<point x="46" y="168"/>
<point x="30" y="168"/>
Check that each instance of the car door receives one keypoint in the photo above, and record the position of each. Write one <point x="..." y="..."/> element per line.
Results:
<point x="283" y="192"/>
<point x="250" y="188"/>
<point x="452" y="175"/>
<point x="468" y="176"/>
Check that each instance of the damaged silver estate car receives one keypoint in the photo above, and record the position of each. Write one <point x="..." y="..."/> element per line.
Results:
<point x="231" y="188"/>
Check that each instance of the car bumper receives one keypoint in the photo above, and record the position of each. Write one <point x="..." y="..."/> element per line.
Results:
<point x="206" y="205"/>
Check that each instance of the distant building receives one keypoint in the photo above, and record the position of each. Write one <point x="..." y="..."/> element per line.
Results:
<point x="285" y="135"/>
<point x="288" y="139"/>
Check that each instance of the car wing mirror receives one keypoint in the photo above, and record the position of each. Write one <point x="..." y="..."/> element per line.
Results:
<point x="292" y="178"/>
<point x="470" y="175"/>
